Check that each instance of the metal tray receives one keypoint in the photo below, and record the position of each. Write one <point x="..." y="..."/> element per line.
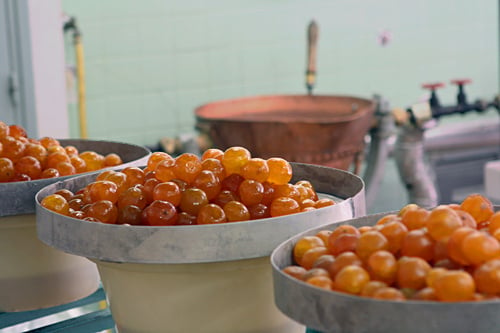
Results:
<point x="329" y="311"/>
<point x="201" y="243"/>
<point x="17" y="198"/>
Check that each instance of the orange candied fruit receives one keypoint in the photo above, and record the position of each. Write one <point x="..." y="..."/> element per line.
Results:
<point x="218" y="187"/>
<point x="34" y="159"/>
<point x="450" y="253"/>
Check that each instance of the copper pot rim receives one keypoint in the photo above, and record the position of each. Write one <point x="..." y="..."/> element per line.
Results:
<point x="319" y="109"/>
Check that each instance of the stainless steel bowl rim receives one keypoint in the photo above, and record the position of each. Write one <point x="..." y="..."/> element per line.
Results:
<point x="200" y="243"/>
<point x="331" y="311"/>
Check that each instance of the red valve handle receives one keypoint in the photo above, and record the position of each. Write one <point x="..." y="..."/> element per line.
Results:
<point x="461" y="81"/>
<point x="433" y="86"/>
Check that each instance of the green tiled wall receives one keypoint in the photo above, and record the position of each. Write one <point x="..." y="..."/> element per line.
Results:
<point x="150" y="63"/>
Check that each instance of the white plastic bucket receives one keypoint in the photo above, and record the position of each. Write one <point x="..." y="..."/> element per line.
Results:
<point x="35" y="275"/>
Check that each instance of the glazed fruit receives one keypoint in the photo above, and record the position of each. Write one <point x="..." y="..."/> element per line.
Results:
<point x="218" y="187"/>
<point x="25" y="159"/>
<point x="446" y="254"/>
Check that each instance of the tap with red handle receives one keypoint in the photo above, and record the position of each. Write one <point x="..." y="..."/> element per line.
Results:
<point x="461" y="97"/>
<point x="433" y="100"/>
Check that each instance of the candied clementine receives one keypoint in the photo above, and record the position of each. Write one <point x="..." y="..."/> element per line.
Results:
<point x="284" y="206"/>
<point x="211" y="214"/>
<point x="280" y="171"/>
<point x="295" y="271"/>
<point x="324" y="202"/>
<point x="323" y="282"/>
<point x="187" y="166"/>
<point x="369" y="242"/>
<point x="371" y="287"/>
<point x="112" y="159"/>
<point x="310" y="256"/>
<point x="324" y="261"/>
<point x="382" y="266"/>
<point x="415" y="218"/>
<point x="454" y="286"/>
<point x="454" y="245"/>
<point x="286" y="190"/>
<point x="130" y="214"/>
<point x="236" y="211"/>
<point x="156" y="157"/>
<point x="442" y="221"/>
<point x="340" y="230"/>
<point x="47" y="141"/>
<point x="351" y="279"/>
<point x="395" y="232"/>
<point x="214" y="165"/>
<point x="494" y="223"/>
<point x="412" y="272"/>
<point x="133" y="196"/>
<point x="344" y="243"/>
<point x="425" y="294"/>
<point x="315" y="272"/>
<point x="251" y="192"/>
<point x="389" y="293"/>
<point x="259" y="211"/>
<point x="192" y="199"/>
<point x="207" y="181"/>
<point x="433" y="274"/>
<point x="104" y="211"/>
<point x="159" y="213"/>
<point x="214" y="153"/>
<point x="417" y="243"/>
<point x="479" y="206"/>
<point x="93" y="160"/>
<point x="304" y="244"/>
<point x="103" y="190"/>
<point x="487" y="277"/>
<point x="479" y="247"/>
<point x="28" y="165"/>
<point x="255" y="169"/>
<point x="224" y="197"/>
<point x="342" y="260"/>
<point x="56" y="203"/>
<point x="78" y="163"/>
<point x="234" y="159"/>
<point x="324" y="235"/>
<point x="135" y="176"/>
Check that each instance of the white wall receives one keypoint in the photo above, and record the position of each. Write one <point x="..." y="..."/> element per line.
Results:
<point x="47" y="54"/>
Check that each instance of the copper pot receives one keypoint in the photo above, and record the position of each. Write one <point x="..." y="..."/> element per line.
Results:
<point x="325" y="130"/>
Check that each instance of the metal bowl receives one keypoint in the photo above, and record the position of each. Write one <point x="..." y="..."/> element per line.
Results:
<point x="221" y="242"/>
<point x="187" y="275"/>
<point x="330" y="311"/>
<point x="18" y="197"/>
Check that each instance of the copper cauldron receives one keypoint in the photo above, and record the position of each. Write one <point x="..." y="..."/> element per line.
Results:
<point x="314" y="129"/>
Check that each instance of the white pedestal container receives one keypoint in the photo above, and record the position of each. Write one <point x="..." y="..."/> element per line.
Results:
<point x="203" y="278"/>
<point x="34" y="275"/>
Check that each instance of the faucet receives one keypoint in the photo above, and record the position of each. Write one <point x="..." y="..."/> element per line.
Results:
<point x="409" y="152"/>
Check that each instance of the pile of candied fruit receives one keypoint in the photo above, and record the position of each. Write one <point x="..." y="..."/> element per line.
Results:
<point x="25" y="159"/>
<point x="218" y="187"/>
<point x="450" y="253"/>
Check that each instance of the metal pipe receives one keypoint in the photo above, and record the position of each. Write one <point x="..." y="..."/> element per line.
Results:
<point x="414" y="171"/>
<point x="70" y="24"/>
<point x="80" y="74"/>
<point x="380" y="149"/>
